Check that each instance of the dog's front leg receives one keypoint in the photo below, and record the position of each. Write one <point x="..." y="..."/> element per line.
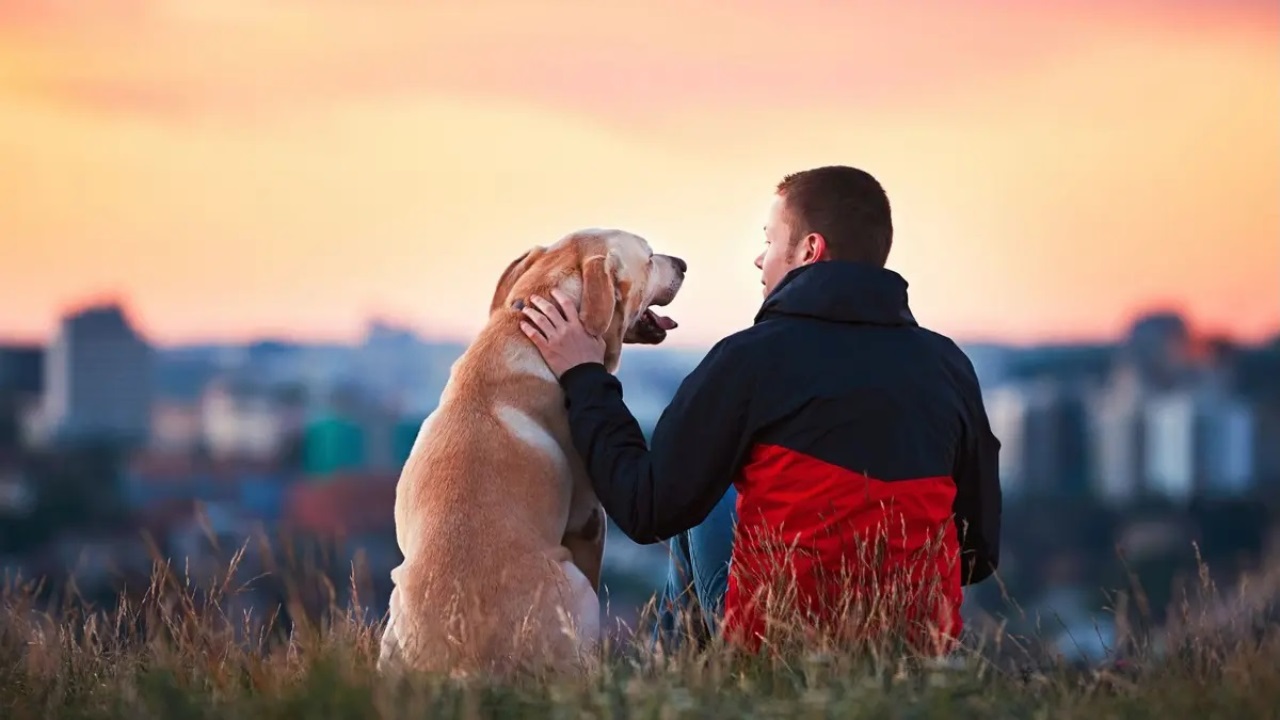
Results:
<point x="586" y="545"/>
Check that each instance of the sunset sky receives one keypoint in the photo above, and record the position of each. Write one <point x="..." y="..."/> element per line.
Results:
<point x="233" y="168"/>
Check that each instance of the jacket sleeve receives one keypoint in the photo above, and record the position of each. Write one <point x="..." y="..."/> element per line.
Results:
<point x="654" y="493"/>
<point x="978" y="503"/>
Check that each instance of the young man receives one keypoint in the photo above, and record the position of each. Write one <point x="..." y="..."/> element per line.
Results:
<point x="857" y="441"/>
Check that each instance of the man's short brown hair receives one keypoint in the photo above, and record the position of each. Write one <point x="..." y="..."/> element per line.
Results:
<point x="846" y="206"/>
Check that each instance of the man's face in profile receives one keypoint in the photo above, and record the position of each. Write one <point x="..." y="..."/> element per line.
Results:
<point x="781" y="254"/>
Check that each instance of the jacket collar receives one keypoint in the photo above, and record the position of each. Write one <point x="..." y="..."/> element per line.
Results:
<point x="841" y="291"/>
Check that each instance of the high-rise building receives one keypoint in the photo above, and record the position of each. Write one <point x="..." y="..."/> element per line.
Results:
<point x="98" y="378"/>
<point x="1118" y="436"/>
<point x="1043" y="436"/>
<point x="1006" y="412"/>
<point x="1199" y="442"/>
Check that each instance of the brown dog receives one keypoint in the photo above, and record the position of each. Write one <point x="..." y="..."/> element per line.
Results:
<point x="502" y="535"/>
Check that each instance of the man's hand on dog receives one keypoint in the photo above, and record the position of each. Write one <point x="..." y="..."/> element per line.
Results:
<point x="557" y="332"/>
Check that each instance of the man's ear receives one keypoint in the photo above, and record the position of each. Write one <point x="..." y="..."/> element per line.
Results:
<point x="599" y="294"/>
<point x="813" y="248"/>
<point x="511" y="274"/>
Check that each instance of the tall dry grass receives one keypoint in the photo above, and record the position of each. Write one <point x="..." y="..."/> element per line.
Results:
<point x="177" y="650"/>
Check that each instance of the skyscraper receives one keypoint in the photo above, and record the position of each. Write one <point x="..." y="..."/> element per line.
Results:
<point x="98" y="378"/>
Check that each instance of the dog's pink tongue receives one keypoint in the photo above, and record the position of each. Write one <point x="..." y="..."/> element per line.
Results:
<point x="665" y="323"/>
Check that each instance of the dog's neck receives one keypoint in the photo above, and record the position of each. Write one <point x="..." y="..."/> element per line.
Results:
<point x="525" y="359"/>
<point x="513" y="315"/>
<point x="525" y="355"/>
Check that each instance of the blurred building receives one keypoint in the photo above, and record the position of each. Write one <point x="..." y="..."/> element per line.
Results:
<point x="393" y="364"/>
<point x="1266" y="446"/>
<point x="257" y="487"/>
<point x="352" y="503"/>
<point x="1117" y="434"/>
<point x="98" y="378"/>
<point x="176" y="425"/>
<point x="21" y="369"/>
<point x="357" y="430"/>
<point x="21" y="384"/>
<point x="1254" y="374"/>
<point x="241" y="418"/>
<point x="1042" y="427"/>
<point x="332" y="443"/>
<point x="991" y="363"/>
<point x="1164" y="423"/>
<point x="1160" y="351"/>
<point x="651" y="377"/>
<point x="404" y="436"/>
<point x="1200" y="442"/>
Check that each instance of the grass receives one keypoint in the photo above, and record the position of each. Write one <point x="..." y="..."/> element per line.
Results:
<point x="175" y="651"/>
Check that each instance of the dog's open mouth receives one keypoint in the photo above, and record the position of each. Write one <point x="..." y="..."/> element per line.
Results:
<point x="650" y="329"/>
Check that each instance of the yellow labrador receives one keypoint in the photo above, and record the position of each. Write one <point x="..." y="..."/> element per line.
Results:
<point x="501" y="532"/>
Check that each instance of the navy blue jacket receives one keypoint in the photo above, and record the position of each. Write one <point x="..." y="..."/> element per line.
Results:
<point x="833" y="390"/>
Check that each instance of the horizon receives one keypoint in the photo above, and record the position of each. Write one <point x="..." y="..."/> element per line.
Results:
<point x="1198" y="331"/>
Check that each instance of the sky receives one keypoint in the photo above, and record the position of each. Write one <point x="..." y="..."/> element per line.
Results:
<point x="239" y="168"/>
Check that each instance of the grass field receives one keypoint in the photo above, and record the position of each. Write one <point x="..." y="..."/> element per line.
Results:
<point x="173" y="653"/>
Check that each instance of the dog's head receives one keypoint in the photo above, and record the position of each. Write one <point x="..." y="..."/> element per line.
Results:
<point x="615" y="277"/>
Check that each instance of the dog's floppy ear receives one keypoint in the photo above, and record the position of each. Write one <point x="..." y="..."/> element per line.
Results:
<point x="511" y="274"/>
<point x="599" y="294"/>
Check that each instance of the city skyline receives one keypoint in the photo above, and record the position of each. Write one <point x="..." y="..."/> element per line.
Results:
<point x="368" y="322"/>
<point x="1055" y="170"/>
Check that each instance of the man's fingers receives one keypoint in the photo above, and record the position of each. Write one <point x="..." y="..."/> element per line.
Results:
<point x="566" y="306"/>
<point x="540" y="321"/>
<point x="551" y="310"/>
<point x="534" y="334"/>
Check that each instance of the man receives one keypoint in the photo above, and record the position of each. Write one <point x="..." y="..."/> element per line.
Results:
<point x="857" y="441"/>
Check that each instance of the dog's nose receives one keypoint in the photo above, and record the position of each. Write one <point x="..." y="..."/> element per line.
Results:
<point x="681" y="265"/>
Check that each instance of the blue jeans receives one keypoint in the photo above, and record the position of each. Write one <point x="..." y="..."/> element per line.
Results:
<point x="698" y="574"/>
